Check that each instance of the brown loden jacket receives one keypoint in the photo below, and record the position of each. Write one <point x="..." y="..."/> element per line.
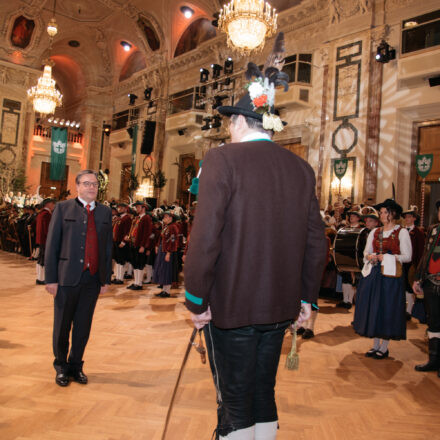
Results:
<point x="257" y="245"/>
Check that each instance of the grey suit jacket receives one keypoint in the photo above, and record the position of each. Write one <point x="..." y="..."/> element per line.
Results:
<point x="257" y="246"/>
<point x="66" y="241"/>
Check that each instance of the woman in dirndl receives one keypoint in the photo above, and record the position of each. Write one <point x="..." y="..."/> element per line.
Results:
<point x="380" y="299"/>
<point x="165" y="264"/>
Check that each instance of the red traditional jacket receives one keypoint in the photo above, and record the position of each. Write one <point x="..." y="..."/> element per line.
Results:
<point x="122" y="229"/>
<point x="143" y="232"/>
<point x="169" y="238"/>
<point x="389" y="245"/>
<point x="43" y="220"/>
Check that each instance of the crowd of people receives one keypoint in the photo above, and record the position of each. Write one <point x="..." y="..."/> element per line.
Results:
<point x="149" y="245"/>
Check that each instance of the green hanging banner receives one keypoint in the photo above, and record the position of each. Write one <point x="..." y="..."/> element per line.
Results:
<point x="424" y="164"/>
<point x="340" y="167"/>
<point x="58" y="153"/>
<point x="133" y="150"/>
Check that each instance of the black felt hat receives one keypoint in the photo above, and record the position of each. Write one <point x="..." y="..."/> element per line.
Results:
<point x="47" y="200"/>
<point x="390" y="204"/>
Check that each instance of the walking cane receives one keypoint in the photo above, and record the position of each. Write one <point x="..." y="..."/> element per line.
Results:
<point x="200" y="349"/>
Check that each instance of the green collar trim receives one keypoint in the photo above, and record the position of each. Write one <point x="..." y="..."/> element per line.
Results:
<point x="258" y="140"/>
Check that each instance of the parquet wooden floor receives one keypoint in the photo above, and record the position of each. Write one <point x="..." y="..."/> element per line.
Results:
<point x="133" y="358"/>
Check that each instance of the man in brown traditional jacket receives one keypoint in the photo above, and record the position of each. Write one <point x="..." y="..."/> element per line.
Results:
<point x="246" y="292"/>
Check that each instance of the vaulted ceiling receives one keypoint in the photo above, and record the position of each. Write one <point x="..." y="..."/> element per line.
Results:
<point x="87" y="49"/>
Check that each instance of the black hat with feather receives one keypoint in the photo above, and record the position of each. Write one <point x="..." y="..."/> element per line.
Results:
<point x="259" y="101"/>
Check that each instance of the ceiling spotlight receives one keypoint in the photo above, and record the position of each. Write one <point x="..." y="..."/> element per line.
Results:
<point x="126" y="46"/>
<point x="67" y="123"/>
<point x="77" y="125"/>
<point x="147" y="93"/>
<point x="204" y="75"/>
<point x="72" y="124"/>
<point x="385" y="53"/>
<point x="229" y="66"/>
<point x="62" y="122"/>
<point x="216" y="70"/>
<point x="50" y="120"/>
<point x="132" y="98"/>
<point x="56" y="121"/>
<point x="187" y="12"/>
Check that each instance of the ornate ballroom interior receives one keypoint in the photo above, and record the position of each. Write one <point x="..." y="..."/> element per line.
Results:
<point x="140" y="82"/>
<point x="125" y="64"/>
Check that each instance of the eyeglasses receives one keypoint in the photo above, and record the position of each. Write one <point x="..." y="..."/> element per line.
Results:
<point x="89" y="184"/>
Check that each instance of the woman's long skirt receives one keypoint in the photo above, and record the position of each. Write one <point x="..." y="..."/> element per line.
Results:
<point x="380" y="307"/>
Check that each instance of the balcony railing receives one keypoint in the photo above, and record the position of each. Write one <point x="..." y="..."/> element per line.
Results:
<point x="46" y="132"/>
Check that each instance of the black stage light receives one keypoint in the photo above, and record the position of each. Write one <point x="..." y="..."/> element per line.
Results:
<point x="216" y="70"/>
<point x="207" y="125"/>
<point x="130" y="132"/>
<point x="132" y="98"/>
<point x="217" y="122"/>
<point x="385" y="53"/>
<point x="227" y="81"/>
<point x="229" y="66"/>
<point x="204" y="75"/>
<point x="218" y="101"/>
<point x="216" y="17"/>
<point x="147" y="93"/>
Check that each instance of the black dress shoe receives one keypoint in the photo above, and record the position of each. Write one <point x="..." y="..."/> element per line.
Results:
<point x="408" y="316"/>
<point x="163" y="295"/>
<point x="62" y="379"/>
<point x="348" y="306"/>
<point x="370" y="353"/>
<point x="341" y="304"/>
<point x="80" y="377"/>
<point x="117" y="282"/>
<point x="130" y="286"/>
<point x="39" y="282"/>
<point x="300" y="330"/>
<point x="381" y="355"/>
<point x="136" y="287"/>
<point x="308" y="334"/>
<point x="128" y="277"/>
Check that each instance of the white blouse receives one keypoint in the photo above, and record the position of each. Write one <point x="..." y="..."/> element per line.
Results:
<point x="405" y="244"/>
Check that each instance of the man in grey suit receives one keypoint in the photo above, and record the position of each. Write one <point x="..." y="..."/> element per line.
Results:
<point x="77" y="269"/>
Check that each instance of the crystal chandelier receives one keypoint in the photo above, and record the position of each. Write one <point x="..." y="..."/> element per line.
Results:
<point x="247" y="23"/>
<point x="44" y="96"/>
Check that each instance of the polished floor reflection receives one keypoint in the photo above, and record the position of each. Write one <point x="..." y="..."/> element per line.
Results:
<point x="134" y="356"/>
